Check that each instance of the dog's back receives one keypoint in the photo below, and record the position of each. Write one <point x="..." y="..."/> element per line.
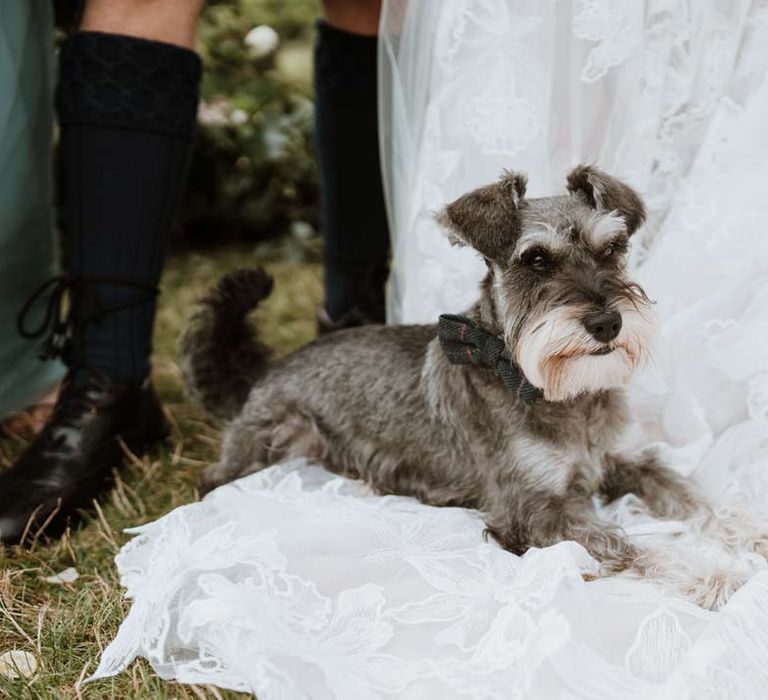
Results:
<point x="355" y="400"/>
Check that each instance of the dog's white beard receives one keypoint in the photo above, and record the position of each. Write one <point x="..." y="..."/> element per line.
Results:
<point x="556" y="353"/>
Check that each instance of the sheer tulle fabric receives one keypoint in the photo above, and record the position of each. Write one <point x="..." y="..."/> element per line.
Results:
<point x="475" y="86"/>
<point x="294" y="583"/>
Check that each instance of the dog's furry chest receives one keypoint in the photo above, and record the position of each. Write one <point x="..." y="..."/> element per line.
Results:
<point x="550" y="446"/>
<point x="557" y="448"/>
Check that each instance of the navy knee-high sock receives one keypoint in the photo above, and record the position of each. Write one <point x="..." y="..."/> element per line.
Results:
<point x="127" y="110"/>
<point x="355" y="229"/>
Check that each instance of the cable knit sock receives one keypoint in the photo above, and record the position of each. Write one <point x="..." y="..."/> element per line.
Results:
<point x="355" y="220"/>
<point x="127" y="110"/>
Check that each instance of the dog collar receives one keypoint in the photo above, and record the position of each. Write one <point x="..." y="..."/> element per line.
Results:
<point x="465" y="343"/>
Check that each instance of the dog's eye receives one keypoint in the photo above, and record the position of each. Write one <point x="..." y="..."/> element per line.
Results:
<point x="614" y="249"/>
<point x="537" y="258"/>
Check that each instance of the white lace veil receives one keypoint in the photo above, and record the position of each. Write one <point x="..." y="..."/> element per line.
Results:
<point x="470" y="87"/>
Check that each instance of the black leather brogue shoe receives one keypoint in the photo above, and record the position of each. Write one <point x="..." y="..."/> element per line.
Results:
<point x="72" y="461"/>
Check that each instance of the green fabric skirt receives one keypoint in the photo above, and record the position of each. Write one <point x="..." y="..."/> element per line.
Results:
<point x="27" y="241"/>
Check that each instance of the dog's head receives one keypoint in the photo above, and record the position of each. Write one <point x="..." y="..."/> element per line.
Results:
<point x="572" y="319"/>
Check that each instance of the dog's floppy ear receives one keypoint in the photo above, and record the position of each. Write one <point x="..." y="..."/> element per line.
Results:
<point x="487" y="218"/>
<point x="607" y="193"/>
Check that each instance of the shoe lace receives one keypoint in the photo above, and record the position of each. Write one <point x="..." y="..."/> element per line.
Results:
<point x="63" y="332"/>
<point x="62" y="329"/>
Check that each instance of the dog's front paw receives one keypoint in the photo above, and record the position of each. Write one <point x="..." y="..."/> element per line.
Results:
<point x="712" y="590"/>
<point x="758" y="544"/>
<point x="738" y="530"/>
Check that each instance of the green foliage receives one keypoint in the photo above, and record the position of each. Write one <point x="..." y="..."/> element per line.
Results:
<point x="253" y="174"/>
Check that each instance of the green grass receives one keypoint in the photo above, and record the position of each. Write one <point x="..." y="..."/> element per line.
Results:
<point x="65" y="626"/>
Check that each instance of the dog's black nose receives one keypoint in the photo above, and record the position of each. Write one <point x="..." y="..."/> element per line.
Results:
<point x="603" y="325"/>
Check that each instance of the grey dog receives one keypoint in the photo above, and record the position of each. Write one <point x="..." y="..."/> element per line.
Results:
<point x="515" y="408"/>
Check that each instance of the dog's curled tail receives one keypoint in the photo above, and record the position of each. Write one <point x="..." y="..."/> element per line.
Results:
<point x="221" y="355"/>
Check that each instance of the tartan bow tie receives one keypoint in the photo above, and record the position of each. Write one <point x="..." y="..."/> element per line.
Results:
<point x="465" y="343"/>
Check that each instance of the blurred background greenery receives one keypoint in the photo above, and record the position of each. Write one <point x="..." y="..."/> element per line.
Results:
<point x="253" y="175"/>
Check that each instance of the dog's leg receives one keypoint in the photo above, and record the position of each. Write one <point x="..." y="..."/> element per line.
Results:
<point x="256" y="440"/>
<point x="519" y="519"/>
<point x="244" y="446"/>
<point x="666" y="493"/>
<point x="671" y="496"/>
<point x="539" y="520"/>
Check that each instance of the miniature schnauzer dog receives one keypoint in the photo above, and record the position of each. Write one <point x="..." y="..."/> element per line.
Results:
<point x="515" y="408"/>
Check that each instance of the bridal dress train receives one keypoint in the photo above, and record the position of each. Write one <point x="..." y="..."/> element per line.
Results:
<point x="294" y="583"/>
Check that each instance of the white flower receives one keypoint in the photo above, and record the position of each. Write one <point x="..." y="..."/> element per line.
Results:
<point x="214" y="113"/>
<point x="238" y="117"/>
<point x="219" y="112"/>
<point x="261" y="41"/>
<point x="302" y="230"/>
